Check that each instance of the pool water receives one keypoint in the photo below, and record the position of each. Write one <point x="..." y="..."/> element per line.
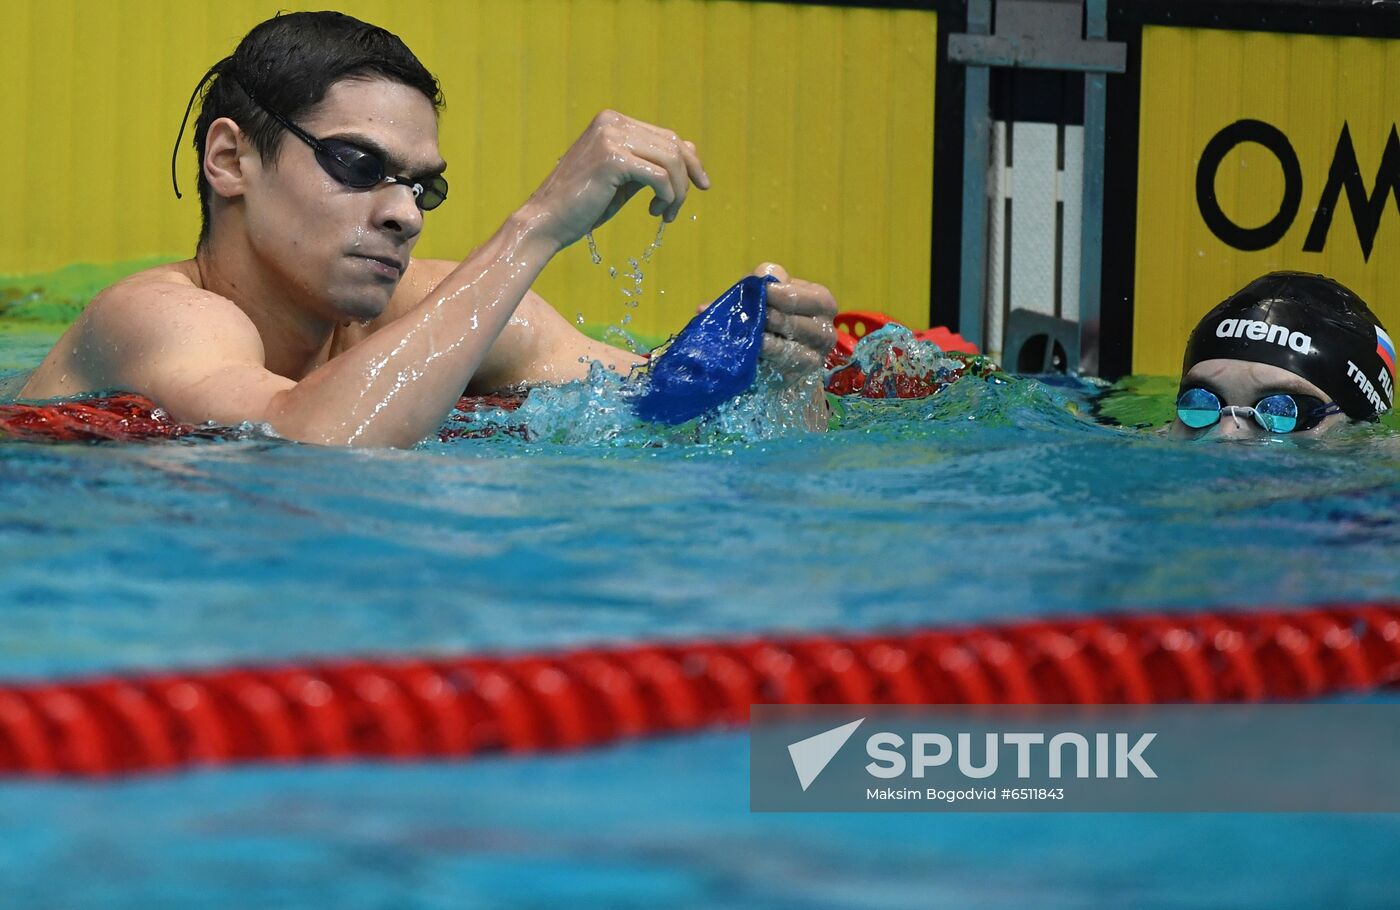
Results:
<point x="995" y="499"/>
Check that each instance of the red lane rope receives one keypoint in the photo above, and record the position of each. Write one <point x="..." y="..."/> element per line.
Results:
<point x="409" y="708"/>
<point x="115" y="417"/>
<point x="130" y="418"/>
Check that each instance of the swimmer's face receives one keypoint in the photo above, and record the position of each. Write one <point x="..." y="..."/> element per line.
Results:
<point x="346" y="248"/>
<point x="1242" y="384"/>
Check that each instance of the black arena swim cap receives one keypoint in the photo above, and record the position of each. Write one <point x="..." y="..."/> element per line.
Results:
<point x="1309" y="325"/>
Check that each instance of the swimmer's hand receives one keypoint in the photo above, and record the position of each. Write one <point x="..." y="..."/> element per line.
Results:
<point x="800" y="331"/>
<point x="614" y="159"/>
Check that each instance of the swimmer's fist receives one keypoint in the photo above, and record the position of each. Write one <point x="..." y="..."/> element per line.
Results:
<point x="800" y="331"/>
<point x="615" y="158"/>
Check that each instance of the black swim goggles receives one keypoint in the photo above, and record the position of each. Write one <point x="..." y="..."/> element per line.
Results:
<point x="1284" y="412"/>
<point x="345" y="162"/>
<point x="359" y="169"/>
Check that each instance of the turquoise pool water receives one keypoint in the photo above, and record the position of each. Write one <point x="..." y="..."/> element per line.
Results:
<point x="992" y="500"/>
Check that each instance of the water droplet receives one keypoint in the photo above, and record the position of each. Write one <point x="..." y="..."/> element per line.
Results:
<point x="593" y="249"/>
<point x="655" y="243"/>
<point x="578" y="319"/>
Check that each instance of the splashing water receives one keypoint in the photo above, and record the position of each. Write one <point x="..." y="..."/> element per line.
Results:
<point x="646" y="254"/>
<point x="655" y="242"/>
<point x="633" y="297"/>
<point x="893" y="348"/>
<point x="598" y="411"/>
<point x="892" y="363"/>
<point x="619" y="337"/>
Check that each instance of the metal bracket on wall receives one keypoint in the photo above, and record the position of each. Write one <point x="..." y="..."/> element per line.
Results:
<point x="1039" y="34"/>
<point x="1065" y="35"/>
<point x="1037" y="343"/>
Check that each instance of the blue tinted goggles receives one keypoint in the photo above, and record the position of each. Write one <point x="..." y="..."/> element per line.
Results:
<point x="1280" y="413"/>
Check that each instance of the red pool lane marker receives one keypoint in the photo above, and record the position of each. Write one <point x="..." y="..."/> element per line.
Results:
<point x="116" y="417"/>
<point x="132" y="418"/>
<point x="412" y="708"/>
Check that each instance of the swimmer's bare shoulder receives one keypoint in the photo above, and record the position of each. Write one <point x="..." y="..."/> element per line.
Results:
<point x="158" y="334"/>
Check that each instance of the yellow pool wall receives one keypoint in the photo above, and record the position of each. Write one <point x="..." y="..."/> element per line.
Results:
<point x="815" y="124"/>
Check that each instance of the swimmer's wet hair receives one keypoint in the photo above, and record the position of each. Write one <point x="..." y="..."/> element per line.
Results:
<point x="289" y="62"/>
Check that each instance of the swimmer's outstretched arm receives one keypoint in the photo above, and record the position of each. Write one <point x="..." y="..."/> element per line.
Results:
<point x="398" y="384"/>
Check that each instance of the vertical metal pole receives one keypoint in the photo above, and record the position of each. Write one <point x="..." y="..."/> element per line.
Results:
<point x="976" y="140"/>
<point x="1091" y="227"/>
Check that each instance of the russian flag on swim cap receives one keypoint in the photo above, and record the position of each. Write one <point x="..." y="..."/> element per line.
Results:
<point x="1386" y="349"/>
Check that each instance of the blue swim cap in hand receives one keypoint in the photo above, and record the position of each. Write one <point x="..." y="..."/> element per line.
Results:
<point x="714" y="358"/>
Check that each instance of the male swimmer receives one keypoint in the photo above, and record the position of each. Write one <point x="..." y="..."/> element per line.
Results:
<point x="1290" y="353"/>
<point x="303" y="307"/>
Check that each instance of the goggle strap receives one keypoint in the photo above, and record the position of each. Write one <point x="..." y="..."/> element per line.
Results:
<point x="175" y="153"/>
